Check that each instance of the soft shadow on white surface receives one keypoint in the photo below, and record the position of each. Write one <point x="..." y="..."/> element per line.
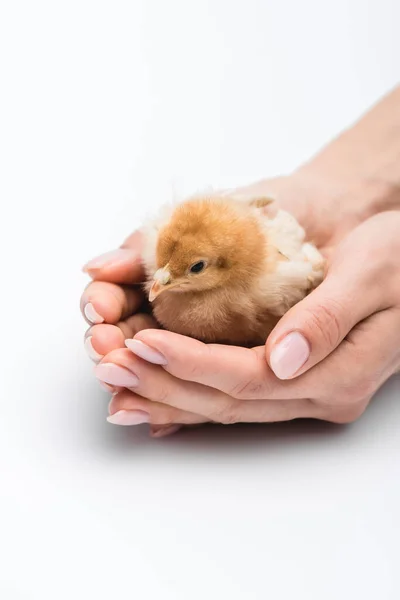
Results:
<point x="259" y="443"/>
<point x="218" y="440"/>
<point x="234" y="506"/>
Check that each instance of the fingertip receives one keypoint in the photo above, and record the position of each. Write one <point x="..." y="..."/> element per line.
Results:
<point x="109" y="258"/>
<point x="289" y="355"/>
<point x="159" y="431"/>
<point x="92" y="315"/>
<point x="106" y="338"/>
<point x="123" y="265"/>
<point x="145" y="352"/>
<point x="105" y="302"/>
<point x="106" y="386"/>
<point x="91" y="351"/>
<point x="165" y="338"/>
<point x="147" y="335"/>
<point x="163" y="347"/>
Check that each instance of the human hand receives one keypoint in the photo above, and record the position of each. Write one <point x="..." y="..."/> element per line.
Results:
<point x="344" y="347"/>
<point x="349" y="181"/>
<point x="110" y="303"/>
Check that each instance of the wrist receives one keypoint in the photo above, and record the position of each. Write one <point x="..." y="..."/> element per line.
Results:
<point x="345" y="204"/>
<point x="329" y="207"/>
<point x="370" y="190"/>
<point x="368" y="150"/>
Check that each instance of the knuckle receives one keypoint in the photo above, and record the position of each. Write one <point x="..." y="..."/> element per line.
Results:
<point x="348" y="414"/>
<point x="246" y="389"/>
<point x="162" y="394"/>
<point x="198" y="368"/>
<point x="363" y="388"/>
<point x="253" y="384"/>
<point x="161" y="414"/>
<point x="227" y="414"/>
<point x="326" y="321"/>
<point x="139" y="322"/>
<point x="195" y="371"/>
<point x="357" y="390"/>
<point x="126" y="330"/>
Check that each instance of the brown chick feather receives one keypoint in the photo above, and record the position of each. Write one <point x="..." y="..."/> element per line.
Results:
<point x="246" y="282"/>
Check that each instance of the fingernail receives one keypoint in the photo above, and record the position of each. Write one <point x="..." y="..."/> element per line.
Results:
<point x="145" y="352"/>
<point x="129" y="417"/>
<point x="158" y="432"/>
<point x="289" y="355"/>
<point x="116" y="375"/>
<point x="110" y="404"/>
<point x="92" y="315"/>
<point x="95" y="356"/>
<point x="108" y="388"/>
<point x="107" y="258"/>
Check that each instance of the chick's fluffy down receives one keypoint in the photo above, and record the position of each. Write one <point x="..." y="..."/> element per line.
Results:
<point x="223" y="270"/>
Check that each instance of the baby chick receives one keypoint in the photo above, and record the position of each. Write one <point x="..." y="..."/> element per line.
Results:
<point x="222" y="270"/>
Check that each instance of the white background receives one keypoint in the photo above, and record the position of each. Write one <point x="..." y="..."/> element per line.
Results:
<point x="105" y="107"/>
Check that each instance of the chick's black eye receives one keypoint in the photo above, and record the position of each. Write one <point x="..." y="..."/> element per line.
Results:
<point x="197" y="267"/>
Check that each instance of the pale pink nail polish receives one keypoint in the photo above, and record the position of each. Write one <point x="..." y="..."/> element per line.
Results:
<point x="95" y="356"/>
<point x="108" y="388"/>
<point x="143" y="351"/>
<point x="164" y="431"/>
<point x="129" y="417"/>
<point x="116" y="375"/>
<point x="108" y="258"/>
<point x="92" y="315"/>
<point x="289" y="355"/>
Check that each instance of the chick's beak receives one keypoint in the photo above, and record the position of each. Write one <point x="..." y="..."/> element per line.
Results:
<point x="161" y="279"/>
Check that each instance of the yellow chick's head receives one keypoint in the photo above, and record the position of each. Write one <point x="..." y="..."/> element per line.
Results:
<point x="208" y="243"/>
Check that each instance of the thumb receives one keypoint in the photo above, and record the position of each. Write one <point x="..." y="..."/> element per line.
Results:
<point x="314" y="327"/>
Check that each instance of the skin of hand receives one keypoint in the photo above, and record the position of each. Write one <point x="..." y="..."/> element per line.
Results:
<point x="329" y="207"/>
<point x="350" y="325"/>
<point x="112" y="306"/>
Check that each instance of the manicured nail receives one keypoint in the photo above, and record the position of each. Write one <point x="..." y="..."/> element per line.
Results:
<point x="95" y="356"/>
<point x="289" y="355"/>
<point x="108" y="388"/>
<point x="116" y="375"/>
<point x="129" y="417"/>
<point x="92" y="315"/>
<point x="158" y="432"/>
<point x="107" y="259"/>
<point x="145" y="352"/>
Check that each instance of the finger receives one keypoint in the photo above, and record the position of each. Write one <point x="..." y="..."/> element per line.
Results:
<point x="368" y="356"/>
<point x="123" y="265"/>
<point x="104" y="302"/>
<point x="108" y="388"/>
<point x="314" y="327"/>
<point x="122" y="368"/>
<point x="125" y="405"/>
<point x="136" y="323"/>
<point x="158" y="431"/>
<point x="239" y="372"/>
<point x="102" y="339"/>
<point x="163" y="416"/>
<point x="352" y="374"/>
<point x="337" y="389"/>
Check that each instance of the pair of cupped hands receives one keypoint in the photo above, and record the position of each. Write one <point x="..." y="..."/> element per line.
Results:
<point x="325" y="359"/>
